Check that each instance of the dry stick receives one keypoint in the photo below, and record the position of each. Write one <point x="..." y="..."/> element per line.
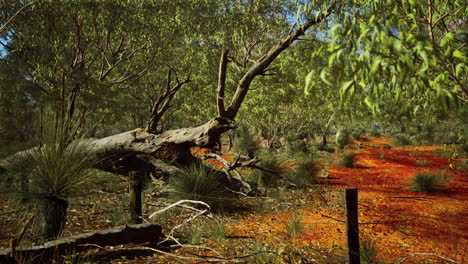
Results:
<point x="205" y="212"/>
<point x="214" y="259"/>
<point x="434" y="255"/>
<point x="177" y="204"/>
<point x="15" y="241"/>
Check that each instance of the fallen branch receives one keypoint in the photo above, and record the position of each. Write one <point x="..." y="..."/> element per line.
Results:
<point x="434" y="255"/>
<point x="140" y="233"/>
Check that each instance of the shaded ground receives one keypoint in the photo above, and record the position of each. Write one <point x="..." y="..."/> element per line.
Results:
<point x="399" y="222"/>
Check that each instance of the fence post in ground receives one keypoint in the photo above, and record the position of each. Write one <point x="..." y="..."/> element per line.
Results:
<point x="352" y="229"/>
<point x="135" y="188"/>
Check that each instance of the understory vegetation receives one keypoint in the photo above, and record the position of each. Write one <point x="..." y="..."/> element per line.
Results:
<point x="234" y="124"/>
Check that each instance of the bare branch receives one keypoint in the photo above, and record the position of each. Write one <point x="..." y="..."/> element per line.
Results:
<point x="162" y="103"/>
<point x="262" y="63"/>
<point x="3" y="27"/>
<point x="222" y="82"/>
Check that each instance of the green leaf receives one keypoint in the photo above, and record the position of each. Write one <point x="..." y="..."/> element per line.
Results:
<point x="344" y="91"/>
<point x="323" y="77"/>
<point x="460" y="55"/>
<point x="308" y="82"/>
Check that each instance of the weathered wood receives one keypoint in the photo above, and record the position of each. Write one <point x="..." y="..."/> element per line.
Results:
<point x="141" y="233"/>
<point x="172" y="146"/>
<point x="352" y="227"/>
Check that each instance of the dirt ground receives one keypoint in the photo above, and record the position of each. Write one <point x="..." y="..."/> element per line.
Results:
<point x="405" y="226"/>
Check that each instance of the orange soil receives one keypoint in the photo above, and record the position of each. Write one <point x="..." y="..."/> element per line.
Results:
<point x="398" y="220"/>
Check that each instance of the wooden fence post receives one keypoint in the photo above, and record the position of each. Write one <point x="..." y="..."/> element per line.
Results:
<point x="135" y="189"/>
<point x="352" y="228"/>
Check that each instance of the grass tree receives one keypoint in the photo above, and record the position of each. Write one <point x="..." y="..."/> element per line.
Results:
<point x="55" y="172"/>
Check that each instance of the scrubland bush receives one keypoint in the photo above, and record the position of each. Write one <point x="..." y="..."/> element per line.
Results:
<point x="400" y="140"/>
<point x="342" y="138"/>
<point x="429" y="182"/>
<point x="306" y="171"/>
<point x="245" y="143"/>
<point x="271" y="174"/>
<point x="198" y="182"/>
<point x="347" y="160"/>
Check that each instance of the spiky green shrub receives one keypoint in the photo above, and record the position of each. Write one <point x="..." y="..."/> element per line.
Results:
<point x="217" y="231"/>
<point x="429" y="182"/>
<point x="245" y="143"/>
<point x="265" y="253"/>
<point x="367" y="250"/>
<point x="347" y="160"/>
<point x="306" y="171"/>
<point x="342" y="138"/>
<point x="271" y="174"/>
<point x="198" y="182"/>
<point x="295" y="225"/>
<point x="54" y="172"/>
<point x="294" y="145"/>
<point x="374" y="133"/>
<point x="357" y="133"/>
<point x="194" y="235"/>
<point x="400" y="141"/>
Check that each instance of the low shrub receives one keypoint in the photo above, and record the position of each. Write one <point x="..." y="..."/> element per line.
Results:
<point x="342" y="138"/>
<point x="374" y="133"/>
<point x="245" y="143"/>
<point x="347" y="160"/>
<point x="367" y="250"/>
<point x="294" y="145"/>
<point x="400" y="141"/>
<point x="271" y="174"/>
<point x="265" y="254"/>
<point x="422" y="162"/>
<point x="294" y="226"/>
<point x="217" y="231"/>
<point x="194" y="236"/>
<point x="198" y="182"/>
<point x="429" y="182"/>
<point x="305" y="172"/>
<point x="357" y="133"/>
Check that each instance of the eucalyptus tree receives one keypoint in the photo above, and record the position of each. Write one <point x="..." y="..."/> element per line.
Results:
<point x="408" y="53"/>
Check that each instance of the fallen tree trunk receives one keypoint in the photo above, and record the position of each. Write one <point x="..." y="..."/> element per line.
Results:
<point x="140" y="233"/>
<point x="117" y="153"/>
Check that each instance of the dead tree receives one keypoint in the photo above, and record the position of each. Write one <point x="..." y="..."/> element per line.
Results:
<point x="119" y="152"/>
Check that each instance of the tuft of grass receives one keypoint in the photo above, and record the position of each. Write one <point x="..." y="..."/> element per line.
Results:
<point x="400" y="141"/>
<point x="217" y="231"/>
<point x="279" y="193"/>
<point x="271" y="174"/>
<point x="194" y="235"/>
<point x="262" y="206"/>
<point x="374" y="133"/>
<point x="117" y="217"/>
<point x="342" y="138"/>
<point x="367" y="250"/>
<point x="422" y="162"/>
<point x="305" y="172"/>
<point x="357" y="133"/>
<point x="295" y="226"/>
<point x="245" y="143"/>
<point x="198" y="182"/>
<point x="265" y="253"/>
<point x="294" y="145"/>
<point x="429" y="182"/>
<point x="347" y="160"/>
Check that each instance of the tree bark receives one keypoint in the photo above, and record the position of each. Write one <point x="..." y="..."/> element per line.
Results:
<point x="118" y="153"/>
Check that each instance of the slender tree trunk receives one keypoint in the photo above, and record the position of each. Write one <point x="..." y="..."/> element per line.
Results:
<point x="55" y="216"/>
<point x="135" y="188"/>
